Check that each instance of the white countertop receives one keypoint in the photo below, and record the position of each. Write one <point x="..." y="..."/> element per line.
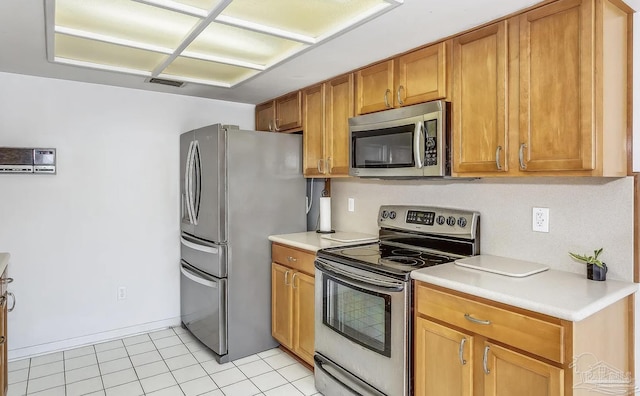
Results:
<point x="4" y="261"/>
<point x="311" y="240"/>
<point x="561" y="294"/>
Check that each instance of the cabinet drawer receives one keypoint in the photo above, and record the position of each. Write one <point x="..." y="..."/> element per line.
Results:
<point x="297" y="259"/>
<point x="521" y="331"/>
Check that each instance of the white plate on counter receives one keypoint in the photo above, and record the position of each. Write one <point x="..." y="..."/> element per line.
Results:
<point x="502" y="265"/>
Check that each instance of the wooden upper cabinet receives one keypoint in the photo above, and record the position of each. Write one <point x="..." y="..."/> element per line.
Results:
<point x="412" y="78"/>
<point x="479" y="100"/>
<point x="421" y="75"/>
<point x="283" y="114"/>
<point x="574" y="83"/>
<point x="339" y="107"/>
<point x="327" y="109"/>
<point x="374" y="86"/>
<point x="313" y="135"/>
<point x="556" y="87"/>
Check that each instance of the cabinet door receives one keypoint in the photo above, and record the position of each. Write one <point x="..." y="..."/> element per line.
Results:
<point x="374" y="86"/>
<point x="479" y="100"/>
<point x="443" y="360"/>
<point x="289" y="112"/>
<point x="510" y="373"/>
<point x="303" y="316"/>
<point x="4" y="368"/>
<point x="265" y="115"/>
<point x="281" y="304"/>
<point x="339" y="108"/>
<point x="422" y="76"/>
<point x="313" y="134"/>
<point x="557" y="130"/>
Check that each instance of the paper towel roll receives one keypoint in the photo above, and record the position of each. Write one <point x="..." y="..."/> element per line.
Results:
<point x="325" y="214"/>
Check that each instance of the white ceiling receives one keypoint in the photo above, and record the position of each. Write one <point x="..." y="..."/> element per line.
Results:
<point x="414" y="23"/>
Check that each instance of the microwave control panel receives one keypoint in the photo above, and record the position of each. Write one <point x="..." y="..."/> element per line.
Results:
<point x="431" y="143"/>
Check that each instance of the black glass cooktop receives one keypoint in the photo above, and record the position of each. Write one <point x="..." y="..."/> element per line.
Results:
<point x="384" y="258"/>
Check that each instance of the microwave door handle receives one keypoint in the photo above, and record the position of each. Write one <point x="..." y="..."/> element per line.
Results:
<point x="418" y="144"/>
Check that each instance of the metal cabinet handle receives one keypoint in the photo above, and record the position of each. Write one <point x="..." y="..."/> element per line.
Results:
<point x="327" y="164"/>
<point x="289" y="258"/>
<point x="461" y="352"/>
<point x="498" y="164"/>
<point x="13" y="297"/>
<point x="270" y="126"/>
<point x="521" y="156"/>
<point x="6" y="281"/>
<point x="2" y="340"/>
<point x="485" y="363"/>
<point x="400" y="102"/>
<point x="275" y="125"/>
<point x="293" y="280"/>
<point x="386" y="98"/>
<point x="321" y="169"/>
<point x="477" y="321"/>
<point x="286" y="277"/>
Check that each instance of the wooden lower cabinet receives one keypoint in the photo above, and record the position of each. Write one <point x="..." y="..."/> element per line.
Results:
<point x="465" y="345"/>
<point x="292" y="300"/>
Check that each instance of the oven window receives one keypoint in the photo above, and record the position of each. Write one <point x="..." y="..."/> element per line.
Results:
<point x="384" y="148"/>
<point x="360" y="315"/>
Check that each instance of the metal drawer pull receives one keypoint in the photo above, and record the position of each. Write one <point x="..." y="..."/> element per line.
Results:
<point x="400" y="102"/>
<point x="477" y="321"/>
<point x="286" y="277"/>
<point x="498" y="165"/>
<point x="521" y="156"/>
<point x="485" y="364"/>
<point x="386" y="98"/>
<point x="13" y="297"/>
<point x="461" y="352"/>
<point x="2" y="340"/>
<point x="7" y="280"/>
<point x="293" y="280"/>
<point x="292" y="258"/>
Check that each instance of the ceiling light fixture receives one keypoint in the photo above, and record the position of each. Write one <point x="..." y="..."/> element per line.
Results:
<point x="211" y="42"/>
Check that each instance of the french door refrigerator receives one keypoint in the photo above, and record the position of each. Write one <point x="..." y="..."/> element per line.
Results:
<point x="237" y="188"/>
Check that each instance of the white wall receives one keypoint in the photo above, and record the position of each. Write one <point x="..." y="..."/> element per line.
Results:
<point x="109" y="218"/>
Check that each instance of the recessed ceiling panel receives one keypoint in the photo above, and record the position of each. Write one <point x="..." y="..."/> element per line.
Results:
<point x="243" y="45"/>
<point x="125" y="20"/>
<point x="195" y="69"/>
<point x="110" y="55"/>
<point x="206" y="5"/>
<point x="313" y="18"/>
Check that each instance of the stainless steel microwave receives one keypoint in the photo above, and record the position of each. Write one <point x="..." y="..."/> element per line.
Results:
<point x="407" y="142"/>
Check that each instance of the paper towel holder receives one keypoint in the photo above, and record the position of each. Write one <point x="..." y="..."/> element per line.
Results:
<point x="324" y="194"/>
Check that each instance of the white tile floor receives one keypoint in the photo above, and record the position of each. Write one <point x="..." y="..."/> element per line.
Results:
<point x="163" y="363"/>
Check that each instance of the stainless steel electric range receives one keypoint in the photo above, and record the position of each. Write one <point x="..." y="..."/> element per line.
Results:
<point x="363" y="297"/>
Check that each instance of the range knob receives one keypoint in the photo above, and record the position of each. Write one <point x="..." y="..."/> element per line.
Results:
<point x="392" y="215"/>
<point x="451" y="221"/>
<point x="385" y="214"/>
<point x="462" y="222"/>
<point x="440" y="220"/>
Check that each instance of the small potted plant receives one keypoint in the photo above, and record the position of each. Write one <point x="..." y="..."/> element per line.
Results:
<point x="596" y="269"/>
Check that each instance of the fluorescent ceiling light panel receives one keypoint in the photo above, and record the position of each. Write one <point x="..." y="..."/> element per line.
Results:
<point x="212" y="42"/>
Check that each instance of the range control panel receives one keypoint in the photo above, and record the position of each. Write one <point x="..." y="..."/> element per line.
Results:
<point x="433" y="220"/>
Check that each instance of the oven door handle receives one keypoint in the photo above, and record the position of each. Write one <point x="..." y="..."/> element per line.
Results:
<point x="358" y="280"/>
<point x="345" y="379"/>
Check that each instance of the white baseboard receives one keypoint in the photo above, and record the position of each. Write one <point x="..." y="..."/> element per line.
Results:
<point x="41" y="349"/>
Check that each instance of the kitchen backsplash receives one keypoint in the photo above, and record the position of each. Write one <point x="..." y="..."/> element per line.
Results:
<point x="585" y="214"/>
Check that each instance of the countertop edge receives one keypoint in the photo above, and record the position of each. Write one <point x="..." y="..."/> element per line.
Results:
<point x="4" y="261"/>
<point x="289" y="242"/>
<point x="574" y="316"/>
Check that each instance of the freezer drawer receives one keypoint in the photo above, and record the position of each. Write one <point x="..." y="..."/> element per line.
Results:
<point x="208" y="257"/>
<point x="203" y="307"/>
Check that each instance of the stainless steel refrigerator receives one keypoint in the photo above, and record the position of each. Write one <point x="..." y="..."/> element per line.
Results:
<point x="238" y="187"/>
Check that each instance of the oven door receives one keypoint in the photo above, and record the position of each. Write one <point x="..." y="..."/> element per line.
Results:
<point x="361" y="331"/>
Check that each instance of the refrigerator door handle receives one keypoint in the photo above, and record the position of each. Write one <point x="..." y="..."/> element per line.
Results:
<point x="187" y="183"/>
<point x="194" y="277"/>
<point x="192" y="165"/>
<point x="197" y="170"/>
<point x="195" y="246"/>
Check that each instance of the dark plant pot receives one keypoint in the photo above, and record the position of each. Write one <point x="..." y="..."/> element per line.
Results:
<point x="597" y="273"/>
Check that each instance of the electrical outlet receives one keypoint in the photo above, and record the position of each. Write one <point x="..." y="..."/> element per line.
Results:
<point x="540" y="219"/>
<point x="351" y="205"/>
<point x="122" y="293"/>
